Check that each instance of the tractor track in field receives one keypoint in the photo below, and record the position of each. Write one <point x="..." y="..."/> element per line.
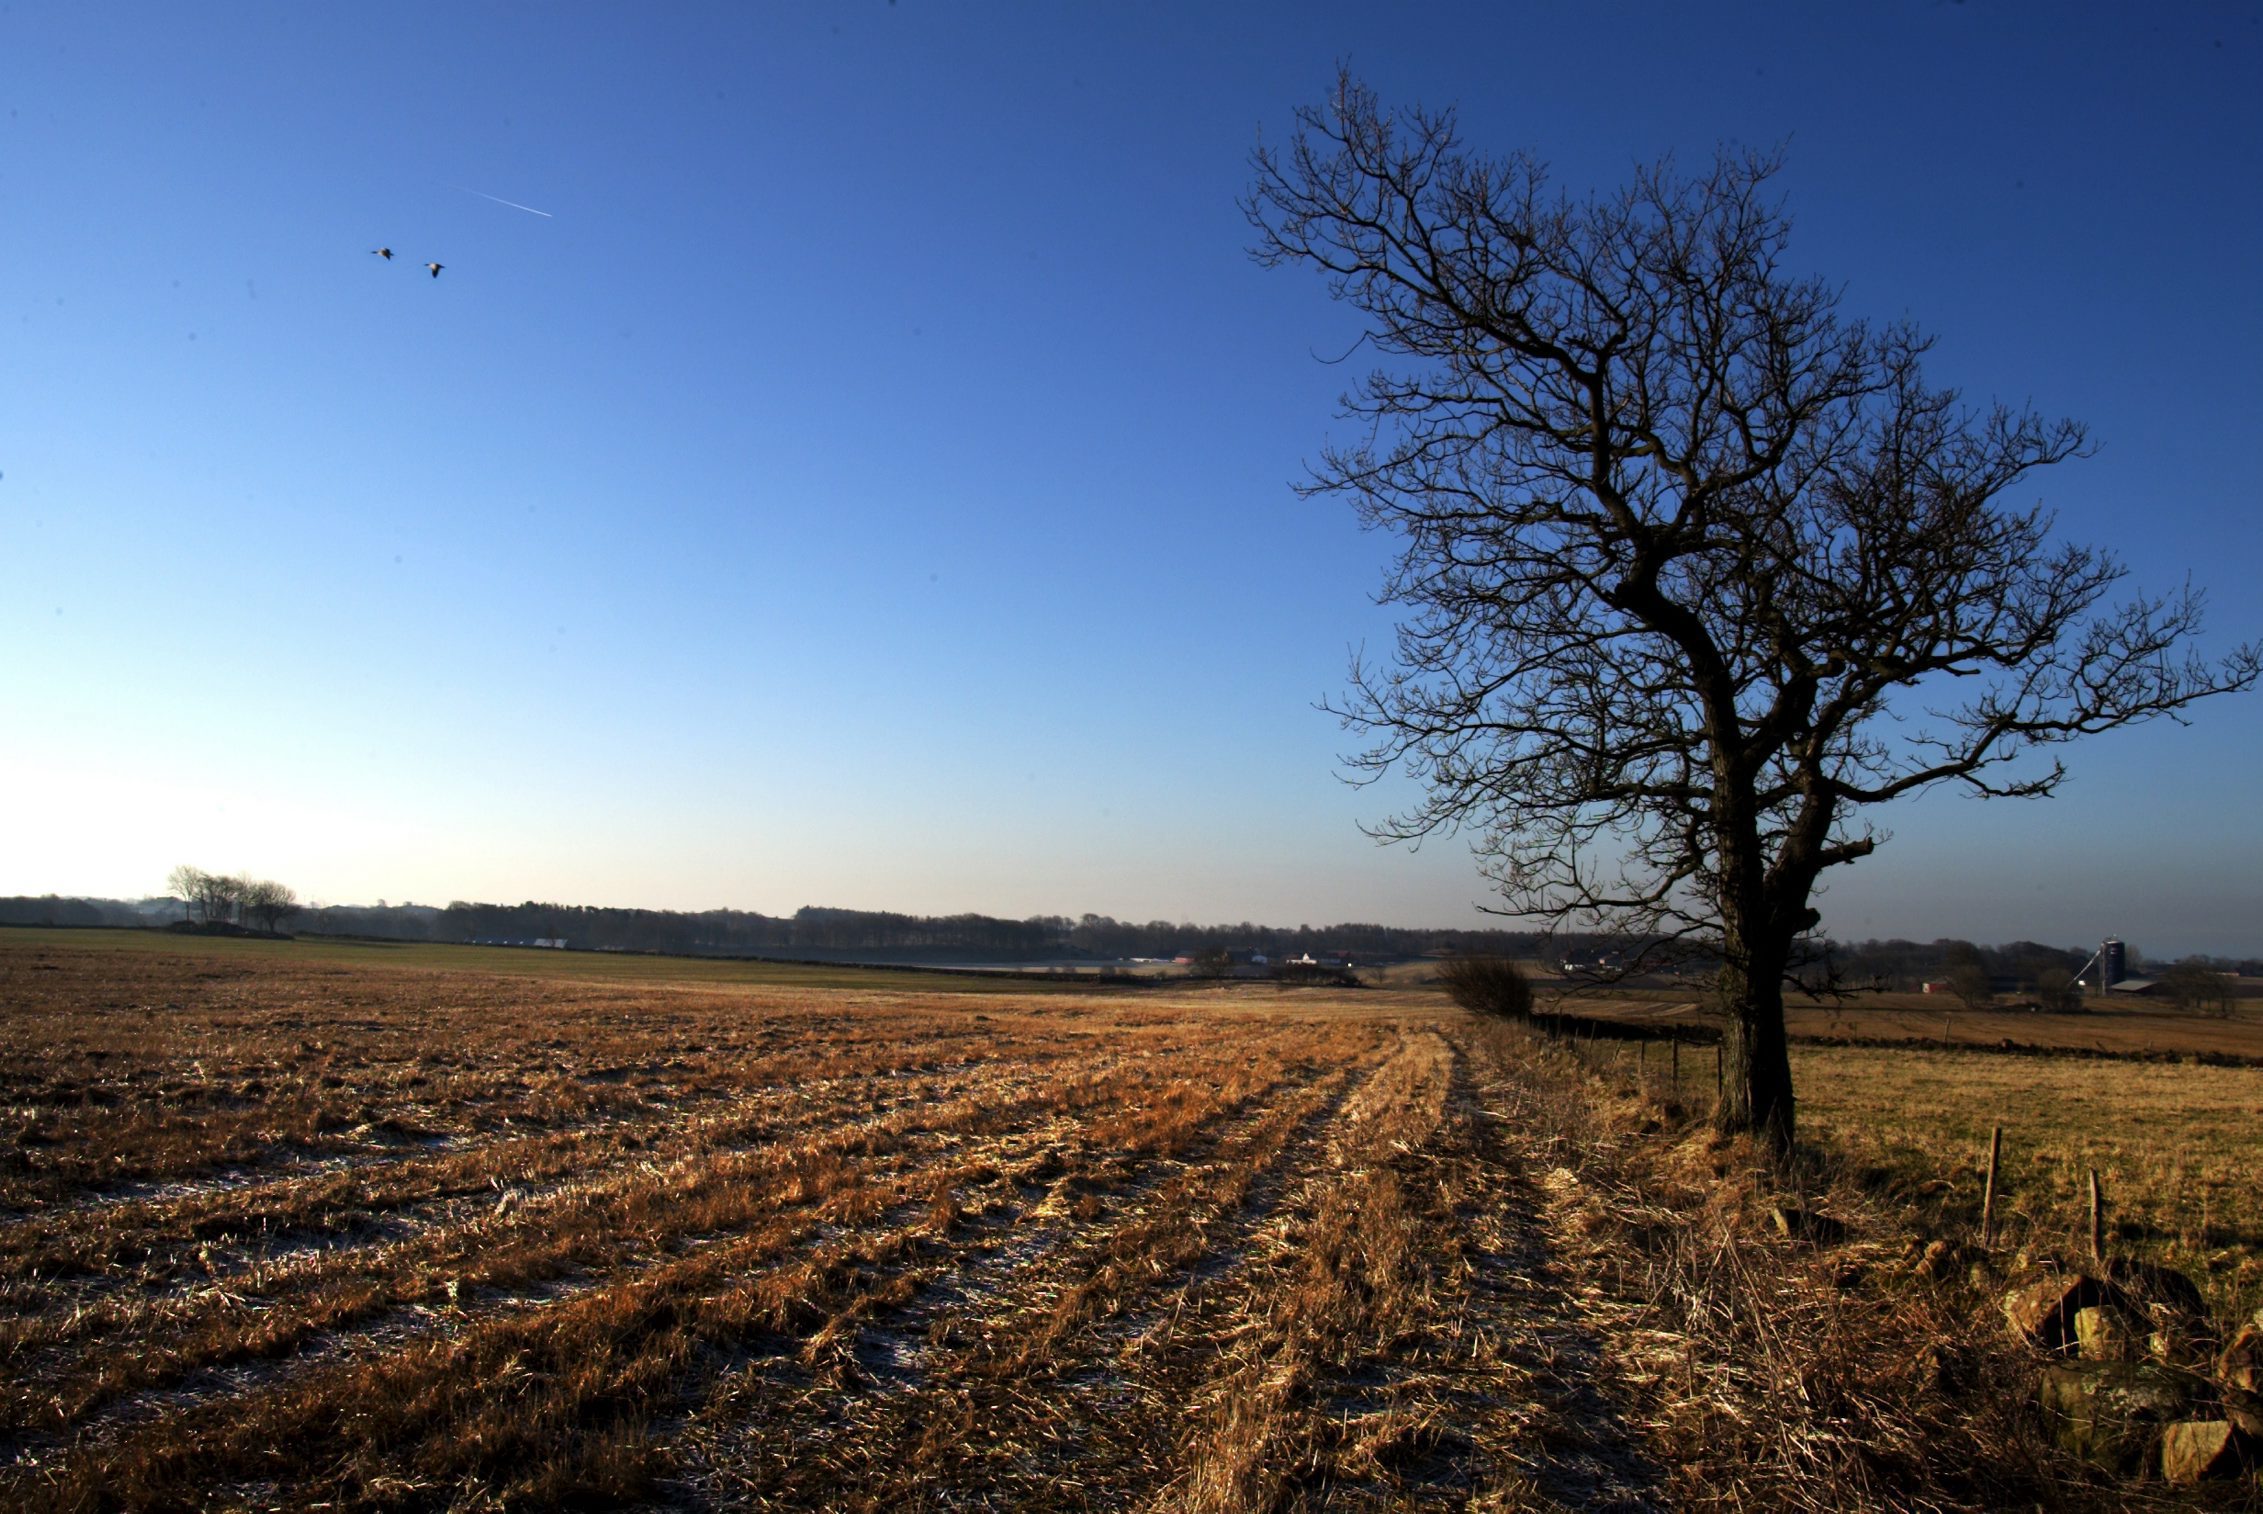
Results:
<point x="1092" y="1336"/>
<point x="1586" y="1455"/>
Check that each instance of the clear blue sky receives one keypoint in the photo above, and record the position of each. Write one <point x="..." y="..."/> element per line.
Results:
<point x="868" y="484"/>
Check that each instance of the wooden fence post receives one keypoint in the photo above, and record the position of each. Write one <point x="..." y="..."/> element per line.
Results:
<point x="2097" y="1220"/>
<point x="1988" y="1197"/>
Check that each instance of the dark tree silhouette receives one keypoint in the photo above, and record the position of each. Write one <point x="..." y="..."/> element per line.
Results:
<point x="1694" y="570"/>
<point x="187" y="883"/>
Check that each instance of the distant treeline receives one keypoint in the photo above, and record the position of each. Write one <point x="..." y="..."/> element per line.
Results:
<point x="1905" y="965"/>
<point x="727" y="932"/>
<point x="1893" y="964"/>
<point x="744" y="933"/>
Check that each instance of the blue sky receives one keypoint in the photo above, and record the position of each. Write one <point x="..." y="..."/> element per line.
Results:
<point x="869" y="483"/>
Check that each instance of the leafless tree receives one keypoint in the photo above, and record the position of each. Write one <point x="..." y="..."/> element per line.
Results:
<point x="211" y="892"/>
<point x="1694" y="570"/>
<point x="187" y="884"/>
<point x="2056" y="990"/>
<point x="216" y="896"/>
<point x="1972" y="985"/>
<point x="2192" y="984"/>
<point x="269" y="902"/>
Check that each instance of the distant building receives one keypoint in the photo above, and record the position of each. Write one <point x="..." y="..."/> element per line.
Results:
<point x="2107" y="967"/>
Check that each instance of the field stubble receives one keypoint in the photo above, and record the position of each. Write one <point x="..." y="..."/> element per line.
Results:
<point x="279" y="1231"/>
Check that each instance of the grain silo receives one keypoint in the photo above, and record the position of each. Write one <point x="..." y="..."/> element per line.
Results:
<point x="2113" y="964"/>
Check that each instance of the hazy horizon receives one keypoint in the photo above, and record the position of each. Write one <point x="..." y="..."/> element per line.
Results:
<point x="847" y="453"/>
<point x="1482" y="923"/>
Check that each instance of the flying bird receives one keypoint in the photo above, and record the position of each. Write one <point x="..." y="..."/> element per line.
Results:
<point x="382" y="252"/>
<point x="435" y="267"/>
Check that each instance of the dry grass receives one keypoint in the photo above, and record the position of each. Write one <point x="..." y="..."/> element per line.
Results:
<point x="282" y="1229"/>
<point x="2176" y="1146"/>
<point x="2138" y="1029"/>
<point x="1765" y="1369"/>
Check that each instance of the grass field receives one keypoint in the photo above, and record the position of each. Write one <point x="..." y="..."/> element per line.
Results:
<point x="286" y="1225"/>
<point x="2176" y="1146"/>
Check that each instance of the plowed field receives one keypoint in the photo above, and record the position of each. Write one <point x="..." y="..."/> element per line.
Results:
<point x="275" y="1233"/>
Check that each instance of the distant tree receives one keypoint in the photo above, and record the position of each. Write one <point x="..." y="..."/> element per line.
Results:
<point x="187" y="884"/>
<point x="1966" y="969"/>
<point x="215" y="896"/>
<point x="1488" y="986"/>
<point x="1970" y="982"/>
<point x="2193" y="984"/>
<point x="2056" y="990"/>
<point x="270" y="903"/>
<point x="1695" y="570"/>
<point x="1212" y="962"/>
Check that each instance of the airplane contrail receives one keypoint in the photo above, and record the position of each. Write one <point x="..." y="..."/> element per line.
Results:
<point x="515" y="205"/>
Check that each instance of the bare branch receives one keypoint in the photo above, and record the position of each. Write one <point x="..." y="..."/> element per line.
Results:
<point x="1691" y="567"/>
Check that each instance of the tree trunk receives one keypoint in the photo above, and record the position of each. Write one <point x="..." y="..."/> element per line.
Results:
<point x="1756" y="938"/>
<point x="1756" y="1079"/>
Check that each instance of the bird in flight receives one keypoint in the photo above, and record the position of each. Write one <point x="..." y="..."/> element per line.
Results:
<point x="435" y="267"/>
<point x="382" y="252"/>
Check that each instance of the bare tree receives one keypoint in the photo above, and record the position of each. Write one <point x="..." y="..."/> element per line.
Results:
<point x="1971" y="983"/>
<point x="215" y="896"/>
<point x="269" y="902"/>
<point x="1693" y="569"/>
<point x="2056" y="989"/>
<point x="2192" y="984"/>
<point x="187" y="884"/>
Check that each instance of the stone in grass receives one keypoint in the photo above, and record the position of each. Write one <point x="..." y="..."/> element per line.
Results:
<point x="2042" y="1310"/>
<point x="2240" y="1365"/>
<point x="2104" y="1333"/>
<point x="2183" y="1335"/>
<point x="2203" y="1450"/>
<point x="2245" y="1411"/>
<point x="2111" y="1413"/>
<point x="1800" y="1224"/>
<point x="1939" y="1257"/>
<point x="2179" y="1340"/>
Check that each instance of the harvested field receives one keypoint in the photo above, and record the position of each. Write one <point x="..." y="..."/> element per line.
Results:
<point x="287" y="1228"/>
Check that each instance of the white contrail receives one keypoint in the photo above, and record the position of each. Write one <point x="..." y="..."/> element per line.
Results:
<point x="515" y="205"/>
